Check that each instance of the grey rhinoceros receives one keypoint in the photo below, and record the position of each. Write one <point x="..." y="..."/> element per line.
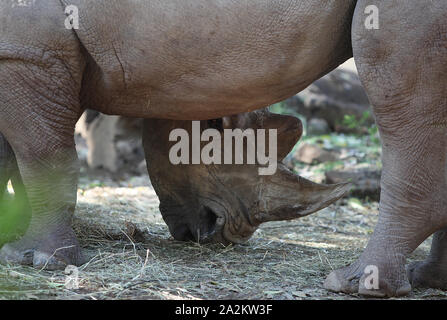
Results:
<point x="205" y="59"/>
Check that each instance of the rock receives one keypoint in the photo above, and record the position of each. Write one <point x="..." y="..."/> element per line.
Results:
<point x="102" y="151"/>
<point x="332" y="97"/>
<point x="309" y="154"/>
<point x="112" y="143"/>
<point x="365" y="182"/>
<point x="142" y="167"/>
<point x="317" y="127"/>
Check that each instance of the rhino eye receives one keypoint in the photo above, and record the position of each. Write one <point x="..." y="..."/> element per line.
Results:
<point x="215" y="124"/>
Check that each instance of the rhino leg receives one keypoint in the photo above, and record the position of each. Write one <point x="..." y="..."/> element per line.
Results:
<point x="431" y="273"/>
<point x="38" y="112"/>
<point x="408" y="92"/>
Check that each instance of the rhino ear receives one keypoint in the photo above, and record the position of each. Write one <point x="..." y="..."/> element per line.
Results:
<point x="289" y="128"/>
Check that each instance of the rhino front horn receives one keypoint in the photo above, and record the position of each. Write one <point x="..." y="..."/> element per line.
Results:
<point x="286" y="196"/>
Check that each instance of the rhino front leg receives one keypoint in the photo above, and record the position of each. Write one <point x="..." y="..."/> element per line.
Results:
<point x="405" y="77"/>
<point x="38" y="111"/>
<point x="431" y="273"/>
<point x="50" y="182"/>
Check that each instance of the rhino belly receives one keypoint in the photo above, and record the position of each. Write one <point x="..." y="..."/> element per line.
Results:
<point x="205" y="59"/>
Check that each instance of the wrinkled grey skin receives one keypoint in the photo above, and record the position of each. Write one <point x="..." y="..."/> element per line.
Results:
<point x="203" y="59"/>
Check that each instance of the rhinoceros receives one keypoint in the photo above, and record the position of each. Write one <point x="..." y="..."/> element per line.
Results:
<point x="206" y="59"/>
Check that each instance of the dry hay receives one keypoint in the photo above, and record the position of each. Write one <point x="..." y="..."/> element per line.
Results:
<point x="132" y="256"/>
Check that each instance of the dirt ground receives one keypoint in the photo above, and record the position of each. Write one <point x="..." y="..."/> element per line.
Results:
<point x="131" y="254"/>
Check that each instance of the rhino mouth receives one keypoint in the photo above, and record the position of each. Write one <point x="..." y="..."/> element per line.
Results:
<point x="203" y="225"/>
<point x="235" y="208"/>
<point x="212" y="223"/>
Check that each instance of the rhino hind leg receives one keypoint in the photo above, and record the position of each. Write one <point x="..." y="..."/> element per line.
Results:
<point x="410" y="103"/>
<point x="432" y="272"/>
<point x="42" y="137"/>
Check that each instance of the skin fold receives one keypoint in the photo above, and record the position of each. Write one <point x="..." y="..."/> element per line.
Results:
<point x="206" y="59"/>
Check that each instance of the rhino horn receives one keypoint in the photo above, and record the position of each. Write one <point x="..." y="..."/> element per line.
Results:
<point x="286" y="196"/>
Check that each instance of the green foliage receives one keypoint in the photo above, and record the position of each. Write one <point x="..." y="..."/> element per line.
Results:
<point x="15" y="216"/>
<point x="282" y="108"/>
<point x="95" y="184"/>
<point x="373" y="134"/>
<point x="352" y="122"/>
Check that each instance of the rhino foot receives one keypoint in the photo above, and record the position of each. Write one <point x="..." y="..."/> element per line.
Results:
<point x="358" y="278"/>
<point x="427" y="274"/>
<point x="54" y="252"/>
<point x="431" y="273"/>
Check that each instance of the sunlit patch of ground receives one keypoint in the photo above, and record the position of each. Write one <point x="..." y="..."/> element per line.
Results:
<point x="131" y="255"/>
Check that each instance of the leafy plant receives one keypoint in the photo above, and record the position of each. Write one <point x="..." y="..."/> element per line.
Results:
<point x="351" y="121"/>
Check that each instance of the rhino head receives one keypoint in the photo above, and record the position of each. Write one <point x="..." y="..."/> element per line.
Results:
<point x="226" y="203"/>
